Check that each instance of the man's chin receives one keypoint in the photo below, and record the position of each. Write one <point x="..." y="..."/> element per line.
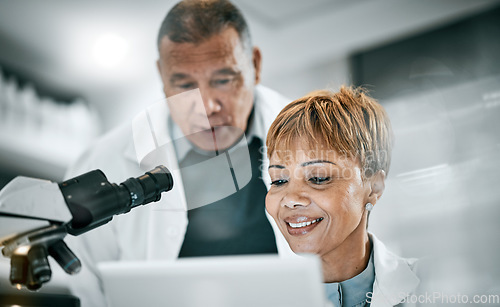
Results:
<point x="218" y="139"/>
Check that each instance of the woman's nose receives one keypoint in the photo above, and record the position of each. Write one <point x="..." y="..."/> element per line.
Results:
<point x="295" y="199"/>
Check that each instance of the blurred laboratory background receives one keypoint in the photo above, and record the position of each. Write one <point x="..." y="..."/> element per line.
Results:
<point x="73" y="70"/>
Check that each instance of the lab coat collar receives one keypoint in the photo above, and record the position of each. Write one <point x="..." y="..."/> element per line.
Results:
<point x="267" y="113"/>
<point x="183" y="146"/>
<point x="149" y="133"/>
<point x="394" y="277"/>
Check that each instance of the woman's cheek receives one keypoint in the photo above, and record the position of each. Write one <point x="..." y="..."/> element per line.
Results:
<point x="271" y="205"/>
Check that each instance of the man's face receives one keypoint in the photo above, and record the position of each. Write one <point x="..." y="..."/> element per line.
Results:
<point x="224" y="74"/>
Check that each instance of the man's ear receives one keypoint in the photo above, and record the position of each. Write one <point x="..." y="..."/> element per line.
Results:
<point x="377" y="186"/>
<point x="158" y="66"/>
<point x="257" y="63"/>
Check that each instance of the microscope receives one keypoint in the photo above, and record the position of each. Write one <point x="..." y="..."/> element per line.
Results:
<point x="36" y="215"/>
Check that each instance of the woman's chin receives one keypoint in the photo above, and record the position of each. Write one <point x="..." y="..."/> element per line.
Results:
<point x="301" y="249"/>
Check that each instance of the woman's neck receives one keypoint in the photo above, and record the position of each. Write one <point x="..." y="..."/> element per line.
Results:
<point x="349" y="259"/>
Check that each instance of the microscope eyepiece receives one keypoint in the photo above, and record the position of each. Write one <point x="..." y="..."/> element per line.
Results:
<point x="93" y="200"/>
<point x="148" y="187"/>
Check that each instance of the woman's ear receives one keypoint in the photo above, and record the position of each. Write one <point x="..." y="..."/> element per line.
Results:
<point x="377" y="186"/>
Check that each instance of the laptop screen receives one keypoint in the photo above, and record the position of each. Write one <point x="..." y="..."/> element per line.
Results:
<point x="226" y="281"/>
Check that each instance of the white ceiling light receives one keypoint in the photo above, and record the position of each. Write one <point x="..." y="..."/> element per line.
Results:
<point x="109" y="50"/>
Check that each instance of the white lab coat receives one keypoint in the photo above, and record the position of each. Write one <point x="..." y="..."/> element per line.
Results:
<point x="155" y="231"/>
<point x="395" y="277"/>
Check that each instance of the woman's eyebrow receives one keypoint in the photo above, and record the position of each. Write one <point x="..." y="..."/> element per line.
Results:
<point x="316" y="161"/>
<point x="276" y="166"/>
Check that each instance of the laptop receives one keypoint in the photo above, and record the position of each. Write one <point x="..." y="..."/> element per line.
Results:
<point x="227" y="281"/>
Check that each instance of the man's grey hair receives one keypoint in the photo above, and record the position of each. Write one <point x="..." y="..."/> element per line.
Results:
<point x="193" y="21"/>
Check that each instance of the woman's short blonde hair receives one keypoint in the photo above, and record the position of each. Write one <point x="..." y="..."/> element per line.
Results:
<point x="349" y="121"/>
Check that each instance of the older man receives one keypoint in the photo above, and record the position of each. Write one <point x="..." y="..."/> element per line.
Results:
<point x="203" y="46"/>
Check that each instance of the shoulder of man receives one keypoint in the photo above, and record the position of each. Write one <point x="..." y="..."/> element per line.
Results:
<point x="270" y="98"/>
<point x="268" y="103"/>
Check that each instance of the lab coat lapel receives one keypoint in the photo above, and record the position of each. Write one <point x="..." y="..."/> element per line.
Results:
<point x="394" y="277"/>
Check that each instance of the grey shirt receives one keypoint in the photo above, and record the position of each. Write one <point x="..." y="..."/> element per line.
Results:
<point x="353" y="292"/>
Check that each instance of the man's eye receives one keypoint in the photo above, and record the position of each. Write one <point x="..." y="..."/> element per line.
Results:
<point x="221" y="82"/>
<point x="278" y="182"/>
<point x="319" y="180"/>
<point x="186" y="85"/>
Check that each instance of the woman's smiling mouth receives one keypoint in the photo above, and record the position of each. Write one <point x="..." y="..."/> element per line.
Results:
<point x="301" y="226"/>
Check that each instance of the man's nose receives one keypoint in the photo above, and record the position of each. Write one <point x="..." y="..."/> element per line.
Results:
<point x="211" y="104"/>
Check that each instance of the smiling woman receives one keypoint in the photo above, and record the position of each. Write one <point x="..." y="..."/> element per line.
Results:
<point x="329" y="155"/>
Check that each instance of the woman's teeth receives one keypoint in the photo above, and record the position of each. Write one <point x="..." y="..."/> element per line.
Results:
<point x="304" y="224"/>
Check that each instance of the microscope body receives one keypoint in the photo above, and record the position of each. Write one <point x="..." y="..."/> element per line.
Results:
<point x="37" y="214"/>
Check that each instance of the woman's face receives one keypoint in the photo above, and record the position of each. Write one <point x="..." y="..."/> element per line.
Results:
<point x="317" y="198"/>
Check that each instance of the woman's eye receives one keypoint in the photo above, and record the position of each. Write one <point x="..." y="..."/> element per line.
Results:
<point x="319" y="180"/>
<point x="278" y="182"/>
